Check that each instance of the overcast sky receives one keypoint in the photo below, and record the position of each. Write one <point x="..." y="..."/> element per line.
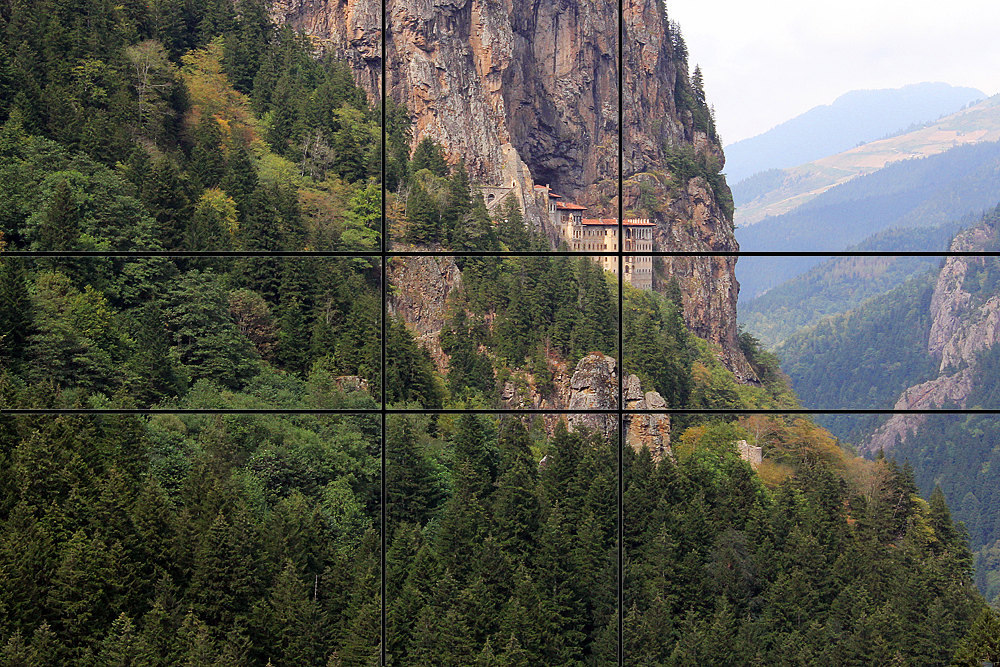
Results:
<point x="767" y="61"/>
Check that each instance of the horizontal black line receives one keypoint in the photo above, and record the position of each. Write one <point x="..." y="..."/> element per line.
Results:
<point x="411" y="411"/>
<point x="498" y="253"/>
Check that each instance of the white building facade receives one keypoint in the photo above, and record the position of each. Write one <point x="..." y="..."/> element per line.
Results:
<point x="601" y="235"/>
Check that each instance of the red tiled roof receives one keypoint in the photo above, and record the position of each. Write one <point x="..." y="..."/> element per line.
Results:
<point x="551" y="194"/>
<point x="571" y="207"/>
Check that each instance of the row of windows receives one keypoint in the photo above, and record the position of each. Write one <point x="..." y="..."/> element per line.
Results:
<point x="641" y="234"/>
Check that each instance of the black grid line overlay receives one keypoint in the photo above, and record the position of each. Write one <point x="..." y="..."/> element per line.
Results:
<point x="386" y="252"/>
<point x="621" y="336"/>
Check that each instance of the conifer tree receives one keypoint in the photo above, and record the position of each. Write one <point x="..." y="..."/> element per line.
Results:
<point x="121" y="647"/>
<point x="510" y="225"/>
<point x="515" y="506"/>
<point x="473" y="447"/>
<point x="453" y="215"/>
<point x="293" y="335"/>
<point x="204" y="333"/>
<point x="595" y="329"/>
<point x="398" y="130"/>
<point x="409" y="369"/>
<point x="15" y="312"/>
<point x="59" y="227"/>
<point x="413" y="491"/>
<point x="429" y="155"/>
<point x="982" y="645"/>
<point x="240" y="178"/>
<point x="424" y="220"/>
<point x="291" y="621"/>
<point x="351" y="145"/>
<point x="208" y="162"/>
<point x="261" y="230"/>
<point x="165" y="195"/>
<point x="153" y="376"/>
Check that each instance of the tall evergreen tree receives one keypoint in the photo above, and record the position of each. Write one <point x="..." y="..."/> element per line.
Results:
<point x="15" y="312"/>
<point x="422" y="215"/>
<point x="208" y="162"/>
<point x="429" y="155"/>
<point x="414" y="493"/>
<point x="166" y="198"/>
<point x="453" y="215"/>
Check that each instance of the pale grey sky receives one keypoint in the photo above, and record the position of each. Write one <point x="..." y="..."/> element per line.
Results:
<point x="768" y="61"/>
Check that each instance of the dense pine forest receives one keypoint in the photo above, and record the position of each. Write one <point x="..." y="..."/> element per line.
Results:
<point x="225" y="539"/>
<point x="865" y="358"/>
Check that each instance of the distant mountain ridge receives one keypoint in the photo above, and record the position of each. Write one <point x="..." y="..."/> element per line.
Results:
<point x="909" y="193"/>
<point x="856" y="116"/>
<point x="777" y="191"/>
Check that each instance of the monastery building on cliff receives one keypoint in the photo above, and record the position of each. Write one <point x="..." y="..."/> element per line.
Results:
<point x="601" y="235"/>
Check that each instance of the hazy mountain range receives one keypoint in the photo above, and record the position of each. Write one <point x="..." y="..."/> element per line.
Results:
<point x="856" y="116"/>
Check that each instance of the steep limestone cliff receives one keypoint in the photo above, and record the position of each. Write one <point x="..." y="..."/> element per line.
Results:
<point x="963" y="325"/>
<point x="526" y="91"/>
<point x="593" y="385"/>
<point x="419" y="294"/>
<point x="347" y="29"/>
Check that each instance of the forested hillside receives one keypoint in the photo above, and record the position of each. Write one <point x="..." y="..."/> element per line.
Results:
<point x="843" y="283"/>
<point x="864" y="358"/>
<point x="840" y="563"/>
<point x="199" y="538"/>
<point x="883" y="353"/>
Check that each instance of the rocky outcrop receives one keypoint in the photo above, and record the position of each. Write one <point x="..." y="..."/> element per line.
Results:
<point x="944" y="390"/>
<point x="347" y="29"/>
<point x="420" y="289"/>
<point x="593" y="385"/>
<point x="526" y="91"/>
<point x="962" y="326"/>
<point x="650" y="430"/>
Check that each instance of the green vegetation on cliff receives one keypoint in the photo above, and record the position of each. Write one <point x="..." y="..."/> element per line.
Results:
<point x="865" y="358"/>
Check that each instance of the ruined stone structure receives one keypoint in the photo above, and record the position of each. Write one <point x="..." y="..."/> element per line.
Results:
<point x="749" y="453"/>
<point x="601" y="235"/>
<point x="494" y="195"/>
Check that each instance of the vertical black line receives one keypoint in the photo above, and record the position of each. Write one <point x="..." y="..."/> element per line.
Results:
<point x="621" y="337"/>
<point x="383" y="247"/>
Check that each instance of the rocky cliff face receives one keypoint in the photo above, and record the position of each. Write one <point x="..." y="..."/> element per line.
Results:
<point x="708" y="284"/>
<point x="593" y="385"/>
<point x="962" y="326"/>
<point x="419" y="294"/>
<point x="526" y="91"/>
<point x="348" y="29"/>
